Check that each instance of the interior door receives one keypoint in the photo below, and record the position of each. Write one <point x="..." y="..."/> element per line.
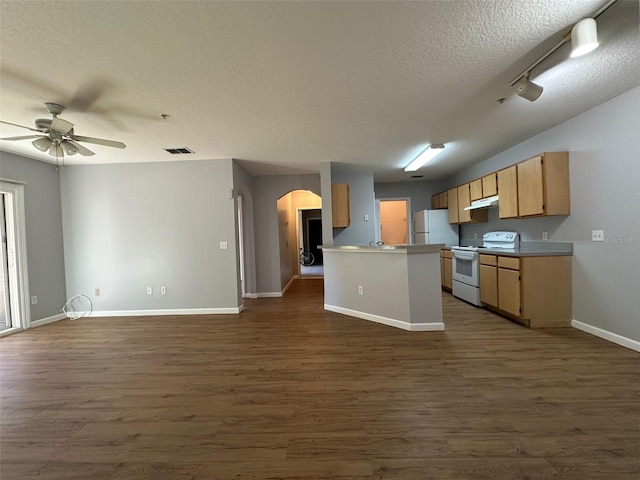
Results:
<point x="394" y="224"/>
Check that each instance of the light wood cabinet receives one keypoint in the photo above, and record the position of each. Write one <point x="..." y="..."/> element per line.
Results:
<point x="435" y="204"/>
<point x="443" y="200"/>
<point x="464" y="200"/>
<point x="446" y="269"/>
<point x="508" y="188"/>
<point x="534" y="291"/>
<point x="490" y="185"/>
<point x="488" y="280"/>
<point x="476" y="189"/>
<point x="452" y="205"/>
<point x="543" y="185"/>
<point x="509" y="287"/>
<point x="340" y="209"/>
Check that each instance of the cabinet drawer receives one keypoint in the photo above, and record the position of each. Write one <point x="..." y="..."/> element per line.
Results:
<point x="512" y="263"/>
<point x="445" y="253"/>
<point x="488" y="260"/>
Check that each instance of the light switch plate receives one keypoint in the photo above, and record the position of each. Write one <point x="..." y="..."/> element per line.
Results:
<point x="224" y="245"/>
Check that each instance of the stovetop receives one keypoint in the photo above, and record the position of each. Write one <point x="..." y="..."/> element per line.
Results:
<point x="494" y="240"/>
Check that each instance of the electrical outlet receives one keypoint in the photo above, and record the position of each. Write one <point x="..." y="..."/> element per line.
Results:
<point x="545" y="236"/>
<point x="163" y="290"/>
<point x="366" y="217"/>
<point x="96" y="292"/>
<point x="34" y="300"/>
<point x="149" y="290"/>
<point x="597" y="235"/>
<point x="360" y="290"/>
<point x="224" y="245"/>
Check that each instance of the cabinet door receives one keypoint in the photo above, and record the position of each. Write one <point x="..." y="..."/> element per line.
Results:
<point x="464" y="200"/>
<point x="448" y="272"/>
<point x="434" y="202"/>
<point x="452" y="205"/>
<point x="476" y="189"/>
<point x="530" y="187"/>
<point x="340" y="205"/>
<point x="490" y="185"/>
<point x="508" y="188"/>
<point x="509" y="291"/>
<point x="443" y="200"/>
<point x="489" y="285"/>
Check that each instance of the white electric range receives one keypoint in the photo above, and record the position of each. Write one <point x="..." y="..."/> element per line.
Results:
<point x="466" y="263"/>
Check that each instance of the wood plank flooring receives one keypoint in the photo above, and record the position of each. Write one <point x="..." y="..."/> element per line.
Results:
<point x="286" y="390"/>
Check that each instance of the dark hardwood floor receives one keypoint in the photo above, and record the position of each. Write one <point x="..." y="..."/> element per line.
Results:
<point x="286" y="390"/>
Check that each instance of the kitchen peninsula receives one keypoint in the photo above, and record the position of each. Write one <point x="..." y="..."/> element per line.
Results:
<point x="398" y="286"/>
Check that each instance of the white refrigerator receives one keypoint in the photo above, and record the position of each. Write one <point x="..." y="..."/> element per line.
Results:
<point x="432" y="226"/>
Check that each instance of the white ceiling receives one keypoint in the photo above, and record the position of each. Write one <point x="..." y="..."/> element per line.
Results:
<point x="283" y="86"/>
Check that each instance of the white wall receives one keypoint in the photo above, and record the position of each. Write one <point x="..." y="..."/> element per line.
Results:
<point x="44" y="231"/>
<point x="127" y="226"/>
<point x="604" y="146"/>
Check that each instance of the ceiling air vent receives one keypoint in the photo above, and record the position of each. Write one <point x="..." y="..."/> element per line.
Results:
<point x="178" y="151"/>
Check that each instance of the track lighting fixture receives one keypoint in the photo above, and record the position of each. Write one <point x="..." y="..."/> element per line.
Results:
<point x="528" y="90"/>
<point x="430" y="152"/>
<point x="584" y="37"/>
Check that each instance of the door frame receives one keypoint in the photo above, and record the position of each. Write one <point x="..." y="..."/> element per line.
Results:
<point x="378" y="223"/>
<point x="15" y="219"/>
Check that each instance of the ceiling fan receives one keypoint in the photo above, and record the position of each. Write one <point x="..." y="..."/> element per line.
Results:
<point x="58" y="137"/>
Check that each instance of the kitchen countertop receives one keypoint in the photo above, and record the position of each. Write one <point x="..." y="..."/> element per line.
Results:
<point x="384" y="248"/>
<point x="531" y="249"/>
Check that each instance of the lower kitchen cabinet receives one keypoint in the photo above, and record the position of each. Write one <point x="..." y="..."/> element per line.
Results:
<point x="446" y="269"/>
<point x="532" y="290"/>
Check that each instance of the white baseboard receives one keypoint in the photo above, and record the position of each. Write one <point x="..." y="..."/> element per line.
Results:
<point x="612" y="337"/>
<point x="392" y="322"/>
<point x="269" y="294"/>
<point x="177" y="311"/>
<point x="51" y="319"/>
<point x="250" y="295"/>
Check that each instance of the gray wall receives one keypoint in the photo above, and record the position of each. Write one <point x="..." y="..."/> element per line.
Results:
<point x="44" y="231"/>
<point x="419" y="192"/>
<point x="361" y="203"/>
<point x="604" y="146"/>
<point x="160" y="224"/>
<point x="266" y="191"/>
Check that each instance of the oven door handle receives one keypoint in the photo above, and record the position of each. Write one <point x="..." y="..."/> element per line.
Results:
<point x="464" y="254"/>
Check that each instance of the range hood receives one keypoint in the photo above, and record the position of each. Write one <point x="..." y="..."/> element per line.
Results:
<point x="483" y="203"/>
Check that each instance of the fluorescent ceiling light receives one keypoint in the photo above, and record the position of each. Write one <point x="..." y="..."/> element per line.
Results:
<point x="430" y="152"/>
<point x="584" y="37"/>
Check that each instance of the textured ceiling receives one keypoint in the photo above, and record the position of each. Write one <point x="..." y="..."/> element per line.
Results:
<point x="284" y="86"/>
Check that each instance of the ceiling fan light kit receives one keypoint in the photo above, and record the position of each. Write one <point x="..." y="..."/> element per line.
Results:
<point x="57" y="135"/>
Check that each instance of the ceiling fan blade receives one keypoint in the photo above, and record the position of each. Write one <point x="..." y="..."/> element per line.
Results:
<point x="61" y="126"/>
<point x="81" y="150"/>
<point x="98" y="141"/>
<point x="24" y="137"/>
<point x="21" y="126"/>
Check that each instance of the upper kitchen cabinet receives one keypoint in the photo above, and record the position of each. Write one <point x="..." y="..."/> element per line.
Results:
<point x="464" y="200"/>
<point x="340" y="205"/>
<point x="476" y="189"/>
<point x="452" y="205"/>
<point x="439" y="200"/>
<point x="543" y="185"/>
<point x="489" y="185"/>
<point x="535" y="187"/>
<point x="508" y="188"/>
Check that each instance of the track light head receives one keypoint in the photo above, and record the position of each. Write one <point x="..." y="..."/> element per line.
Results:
<point x="584" y="37"/>
<point x="528" y="90"/>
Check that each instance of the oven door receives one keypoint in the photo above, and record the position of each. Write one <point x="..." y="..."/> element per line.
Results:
<point x="465" y="267"/>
